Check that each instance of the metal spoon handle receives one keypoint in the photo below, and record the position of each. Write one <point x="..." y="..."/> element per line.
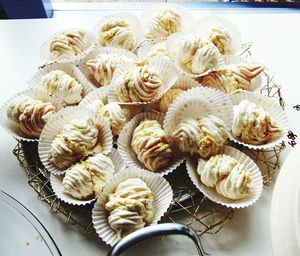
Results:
<point x="154" y="231"/>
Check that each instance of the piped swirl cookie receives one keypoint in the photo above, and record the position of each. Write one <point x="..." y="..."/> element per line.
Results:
<point x="203" y="137"/>
<point x="227" y="176"/>
<point x="149" y="144"/>
<point x="117" y="32"/>
<point x="30" y="114"/>
<point x="233" y="78"/>
<point x="130" y="207"/>
<point x="253" y="125"/>
<point x="68" y="44"/>
<point x="62" y="86"/>
<point x="104" y="65"/>
<point x="77" y="139"/>
<point x="138" y="84"/>
<point x="87" y="178"/>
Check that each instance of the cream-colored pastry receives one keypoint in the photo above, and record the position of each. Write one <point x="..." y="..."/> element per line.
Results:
<point x="138" y="84"/>
<point x="195" y="55"/>
<point x="233" y="78"/>
<point x="115" y="115"/>
<point x="30" y="114"/>
<point x="164" y="23"/>
<point x="117" y="32"/>
<point x="252" y="124"/>
<point x="204" y="137"/>
<point x="237" y="185"/>
<point x="227" y="176"/>
<point x="86" y="179"/>
<point x="158" y="50"/>
<point x="168" y="98"/>
<point x="130" y="207"/>
<point x="221" y="39"/>
<point x="68" y="44"/>
<point x="64" y="87"/>
<point x="149" y="144"/>
<point x="77" y="139"/>
<point x="104" y="65"/>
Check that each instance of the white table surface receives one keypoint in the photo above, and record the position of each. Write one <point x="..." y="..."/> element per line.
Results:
<point x="276" y="44"/>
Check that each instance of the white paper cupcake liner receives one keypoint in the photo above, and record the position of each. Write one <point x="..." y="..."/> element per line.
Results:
<point x="45" y="47"/>
<point x="57" y="186"/>
<point x="163" y="195"/>
<point x="205" y="24"/>
<point x="196" y="103"/>
<point x="100" y="50"/>
<point x="68" y="67"/>
<point x="277" y="114"/>
<point x="165" y="70"/>
<point x="95" y="95"/>
<point x="185" y="83"/>
<point x="146" y="17"/>
<point x="10" y="126"/>
<point x="172" y="47"/>
<point x="235" y="60"/>
<point x="55" y="125"/>
<point x="211" y="193"/>
<point x="129" y="156"/>
<point x="131" y="19"/>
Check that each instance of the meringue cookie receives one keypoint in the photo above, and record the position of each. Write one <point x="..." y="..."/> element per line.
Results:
<point x="87" y="178"/>
<point x="252" y="124"/>
<point x="204" y="137"/>
<point x="168" y="98"/>
<point x="130" y="207"/>
<point x="227" y="176"/>
<point x="62" y="86"/>
<point x="158" y="50"/>
<point x="115" y="115"/>
<point x="117" y="32"/>
<point x="195" y="55"/>
<point x="68" y="44"/>
<point x="149" y="144"/>
<point x="30" y="114"/>
<point x="104" y="65"/>
<point x="237" y="184"/>
<point x="164" y="23"/>
<point x="233" y="78"/>
<point x="77" y="139"/>
<point x="215" y="169"/>
<point x="138" y="85"/>
<point x="221" y="39"/>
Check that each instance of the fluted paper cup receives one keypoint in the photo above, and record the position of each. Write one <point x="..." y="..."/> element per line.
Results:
<point x="172" y="46"/>
<point x="205" y="24"/>
<point x="163" y="196"/>
<point x="10" y="126"/>
<point x="129" y="156"/>
<point x="277" y="115"/>
<point x="55" y="126"/>
<point x="131" y="19"/>
<point x="165" y="70"/>
<point x="70" y="68"/>
<point x="102" y="50"/>
<point x="196" y="103"/>
<point x="211" y="193"/>
<point x="145" y="18"/>
<point x="46" y="55"/>
<point x="56" y="181"/>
